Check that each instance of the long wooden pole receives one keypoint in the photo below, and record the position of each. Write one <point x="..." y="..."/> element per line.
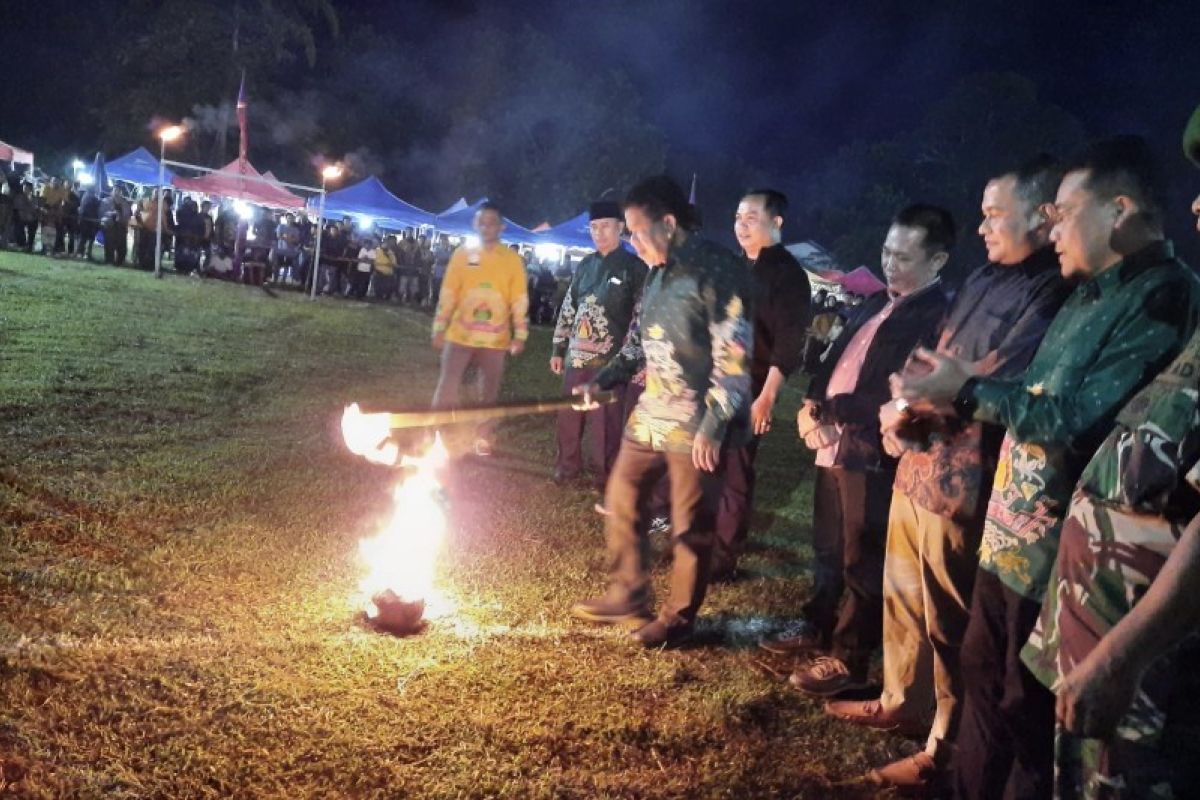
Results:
<point x="449" y="416"/>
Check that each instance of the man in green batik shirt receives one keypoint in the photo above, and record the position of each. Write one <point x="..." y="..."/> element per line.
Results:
<point x="1130" y="317"/>
<point x="1118" y="636"/>
<point x="592" y="324"/>
<point x="694" y="338"/>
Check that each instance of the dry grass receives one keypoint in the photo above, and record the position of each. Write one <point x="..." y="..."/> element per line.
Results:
<point x="178" y="524"/>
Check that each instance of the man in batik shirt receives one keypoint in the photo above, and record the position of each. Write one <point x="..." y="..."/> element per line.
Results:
<point x="695" y="342"/>
<point x="1130" y="317"/>
<point x="939" y="500"/>
<point x="592" y="324"/>
<point x="1118" y="635"/>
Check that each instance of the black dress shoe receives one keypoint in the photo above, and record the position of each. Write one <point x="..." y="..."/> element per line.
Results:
<point x="662" y="634"/>
<point x="608" y="612"/>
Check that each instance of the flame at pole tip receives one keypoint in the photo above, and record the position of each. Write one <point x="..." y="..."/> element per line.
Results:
<point x="369" y="436"/>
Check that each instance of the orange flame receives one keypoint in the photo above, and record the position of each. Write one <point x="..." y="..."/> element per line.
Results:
<point x="367" y="435"/>
<point x="403" y="556"/>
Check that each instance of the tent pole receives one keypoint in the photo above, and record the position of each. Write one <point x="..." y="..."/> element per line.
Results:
<point x="162" y="153"/>
<point x="316" y="265"/>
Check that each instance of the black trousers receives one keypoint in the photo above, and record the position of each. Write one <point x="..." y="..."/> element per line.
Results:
<point x="629" y="497"/>
<point x="1005" y="742"/>
<point x="850" y="517"/>
<point x="604" y="426"/>
<point x="736" y="507"/>
<point x="116" y="242"/>
<point x="87" y="238"/>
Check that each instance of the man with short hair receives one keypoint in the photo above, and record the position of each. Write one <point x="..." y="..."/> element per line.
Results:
<point x="481" y="317"/>
<point x="694" y="340"/>
<point x="89" y="222"/>
<point x="286" y="251"/>
<point x="1136" y="306"/>
<point x="782" y="299"/>
<point x="592" y="324"/>
<point x="840" y="420"/>
<point x="115" y="212"/>
<point x="940" y="496"/>
<point x="1117" y="635"/>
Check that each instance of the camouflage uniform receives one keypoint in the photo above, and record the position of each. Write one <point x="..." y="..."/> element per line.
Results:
<point x="1135" y="498"/>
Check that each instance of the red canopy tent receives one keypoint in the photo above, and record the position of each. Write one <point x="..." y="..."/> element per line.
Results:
<point x="860" y="280"/>
<point x="239" y="180"/>
<point x="15" y="155"/>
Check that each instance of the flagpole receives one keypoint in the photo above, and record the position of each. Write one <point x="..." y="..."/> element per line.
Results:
<point x="316" y="267"/>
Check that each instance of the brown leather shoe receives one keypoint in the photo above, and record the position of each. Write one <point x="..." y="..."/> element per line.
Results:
<point x="660" y="633"/>
<point x="915" y="776"/>
<point x="606" y="611"/>
<point x="871" y="714"/>
<point x="826" y="676"/>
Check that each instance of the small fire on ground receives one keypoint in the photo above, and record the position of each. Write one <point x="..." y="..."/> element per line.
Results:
<point x="399" y="588"/>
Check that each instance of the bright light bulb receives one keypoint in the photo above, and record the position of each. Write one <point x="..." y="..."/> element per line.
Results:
<point x="547" y="252"/>
<point x="332" y="172"/>
<point x="243" y="209"/>
<point x="86" y="179"/>
<point x="170" y="133"/>
<point x="365" y="222"/>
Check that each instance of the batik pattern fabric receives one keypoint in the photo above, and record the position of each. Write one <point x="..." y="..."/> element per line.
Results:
<point x="1134" y="500"/>
<point x="1112" y="336"/>
<point x="597" y="309"/>
<point x="998" y="319"/>
<point x="694" y="338"/>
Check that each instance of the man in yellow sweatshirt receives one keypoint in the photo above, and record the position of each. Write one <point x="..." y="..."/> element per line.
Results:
<point x="482" y="315"/>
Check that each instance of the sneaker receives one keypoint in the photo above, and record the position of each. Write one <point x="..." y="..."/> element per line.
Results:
<point x="605" y="611"/>
<point x="660" y="526"/>
<point x="825" y="676"/>
<point x="483" y="448"/>
<point x="662" y="634"/>
<point x="871" y="714"/>
<point x="915" y="775"/>
<point x="801" y="637"/>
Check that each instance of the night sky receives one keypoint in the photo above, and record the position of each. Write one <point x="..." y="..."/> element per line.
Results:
<point x="779" y="87"/>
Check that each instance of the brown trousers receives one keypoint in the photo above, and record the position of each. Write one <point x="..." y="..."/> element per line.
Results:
<point x="694" y="496"/>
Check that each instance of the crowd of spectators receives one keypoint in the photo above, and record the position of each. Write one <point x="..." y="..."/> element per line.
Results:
<point x="234" y="241"/>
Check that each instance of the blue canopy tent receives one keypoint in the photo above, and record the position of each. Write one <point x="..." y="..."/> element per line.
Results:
<point x="572" y="233"/>
<point x="97" y="176"/>
<point x="457" y="205"/>
<point x="370" y="198"/>
<point x="137" y="167"/>
<point x="462" y="223"/>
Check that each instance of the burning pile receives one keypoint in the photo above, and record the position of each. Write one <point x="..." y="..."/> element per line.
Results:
<point x="398" y="589"/>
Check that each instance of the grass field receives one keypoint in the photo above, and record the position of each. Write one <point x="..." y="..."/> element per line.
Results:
<point x="178" y="531"/>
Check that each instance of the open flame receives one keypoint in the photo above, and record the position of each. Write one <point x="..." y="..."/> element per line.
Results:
<point x="368" y="435"/>
<point x="402" y="557"/>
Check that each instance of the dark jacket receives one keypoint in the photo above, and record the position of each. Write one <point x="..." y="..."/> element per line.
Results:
<point x="782" y="312"/>
<point x="914" y="323"/>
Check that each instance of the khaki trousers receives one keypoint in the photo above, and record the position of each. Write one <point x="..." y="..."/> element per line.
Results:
<point x="927" y="579"/>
